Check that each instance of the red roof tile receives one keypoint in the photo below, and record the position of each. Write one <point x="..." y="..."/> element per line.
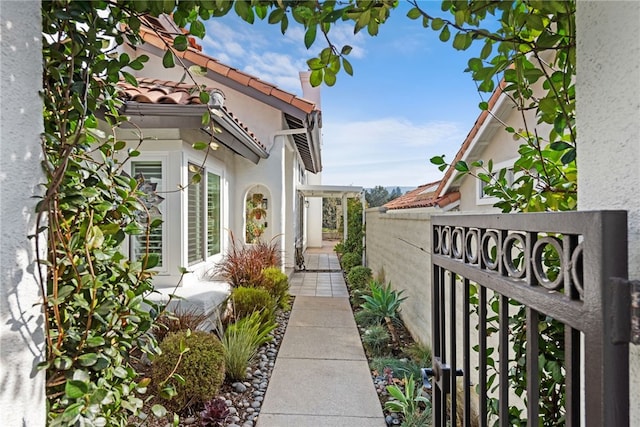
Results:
<point x="154" y="91"/>
<point x="422" y="197"/>
<point x="195" y="56"/>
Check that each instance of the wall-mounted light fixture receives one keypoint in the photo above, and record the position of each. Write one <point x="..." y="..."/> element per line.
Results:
<point x="265" y="204"/>
<point x="306" y="203"/>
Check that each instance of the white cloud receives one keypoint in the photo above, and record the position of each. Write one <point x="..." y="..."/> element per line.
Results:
<point x="387" y="151"/>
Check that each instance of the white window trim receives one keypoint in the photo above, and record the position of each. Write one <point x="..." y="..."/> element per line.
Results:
<point x="163" y="158"/>
<point x="214" y="166"/>
<point x="483" y="199"/>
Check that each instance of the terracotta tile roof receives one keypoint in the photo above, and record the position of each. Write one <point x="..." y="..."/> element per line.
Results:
<point x="422" y="197"/>
<point x="155" y="91"/>
<point x="196" y="57"/>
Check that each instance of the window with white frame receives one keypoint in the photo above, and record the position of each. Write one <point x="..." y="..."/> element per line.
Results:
<point x="482" y="197"/>
<point x="150" y="173"/>
<point x="203" y="216"/>
<point x="213" y="214"/>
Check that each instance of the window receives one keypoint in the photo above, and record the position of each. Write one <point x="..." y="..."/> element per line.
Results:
<point x="482" y="197"/>
<point x="195" y="219"/>
<point x="213" y="214"/>
<point x="151" y="174"/>
<point x="203" y="218"/>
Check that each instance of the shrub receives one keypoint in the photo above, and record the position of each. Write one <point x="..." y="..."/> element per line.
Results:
<point x="277" y="283"/>
<point x="202" y="367"/>
<point x="241" y="341"/>
<point x="243" y="265"/>
<point x="359" y="276"/>
<point x="248" y="300"/>
<point x="350" y="260"/>
<point x="376" y="340"/>
<point x="181" y="319"/>
<point x="385" y="303"/>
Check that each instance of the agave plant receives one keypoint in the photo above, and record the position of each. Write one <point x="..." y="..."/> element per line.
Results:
<point x="408" y="401"/>
<point x="384" y="303"/>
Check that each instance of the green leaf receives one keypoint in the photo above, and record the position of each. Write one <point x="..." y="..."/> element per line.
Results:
<point x="200" y="145"/>
<point x="153" y="259"/>
<point x="167" y="60"/>
<point x="329" y="78"/>
<point x="461" y="166"/>
<point x="445" y="34"/>
<point x="486" y="49"/>
<point x="437" y="160"/>
<point x="181" y="43"/>
<point x="243" y="9"/>
<point x="197" y="29"/>
<point x="347" y="66"/>
<point x="129" y="78"/>
<point x="310" y="36"/>
<point x="462" y="41"/>
<point x="484" y="106"/>
<point x="204" y="97"/>
<point x="346" y="50"/>
<point x="75" y="389"/>
<point x="560" y="146"/>
<point x="95" y="341"/>
<point x="568" y="157"/>
<point x="414" y="13"/>
<point x="120" y="372"/>
<point x="315" y="64"/>
<point x="88" y="359"/>
<point x="316" y="77"/>
<point x="276" y="16"/>
<point x="437" y="24"/>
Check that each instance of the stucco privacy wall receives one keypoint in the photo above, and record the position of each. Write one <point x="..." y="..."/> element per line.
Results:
<point x="22" y="398"/>
<point x="393" y="245"/>
<point x="608" y="120"/>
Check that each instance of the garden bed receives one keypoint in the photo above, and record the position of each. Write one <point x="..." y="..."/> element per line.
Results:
<point x="242" y="398"/>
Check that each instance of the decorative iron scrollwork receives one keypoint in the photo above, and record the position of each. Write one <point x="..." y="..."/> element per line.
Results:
<point x="539" y="259"/>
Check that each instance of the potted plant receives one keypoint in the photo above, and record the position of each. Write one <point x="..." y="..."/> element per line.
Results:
<point x="256" y="209"/>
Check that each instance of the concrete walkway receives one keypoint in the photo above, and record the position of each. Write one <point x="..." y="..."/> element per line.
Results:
<point x="321" y="377"/>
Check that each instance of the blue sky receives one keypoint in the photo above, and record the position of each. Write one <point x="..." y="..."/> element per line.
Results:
<point x="409" y="98"/>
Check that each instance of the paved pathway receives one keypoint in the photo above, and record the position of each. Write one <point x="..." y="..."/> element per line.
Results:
<point x="321" y="377"/>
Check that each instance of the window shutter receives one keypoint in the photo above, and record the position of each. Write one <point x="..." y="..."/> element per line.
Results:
<point x="213" y="214"/>
<point x="151" y="172"/>
<point x="195" y="217"/>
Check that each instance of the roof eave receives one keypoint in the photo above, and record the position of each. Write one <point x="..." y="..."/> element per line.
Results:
<point x="164" y="116"/>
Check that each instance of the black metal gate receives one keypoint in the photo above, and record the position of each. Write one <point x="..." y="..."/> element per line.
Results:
<point x="567" y="266"/>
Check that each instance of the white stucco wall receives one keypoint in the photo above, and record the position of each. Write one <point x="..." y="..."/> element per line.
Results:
<point x="608" y="120"/>
<point x="278" y="172"/>
<point x="314" y="214"/>
<point x="22" y="396"/>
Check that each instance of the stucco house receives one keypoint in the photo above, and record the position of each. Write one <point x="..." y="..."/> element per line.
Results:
<point x="607" y="116"/>
<point x="261" y="145"/>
